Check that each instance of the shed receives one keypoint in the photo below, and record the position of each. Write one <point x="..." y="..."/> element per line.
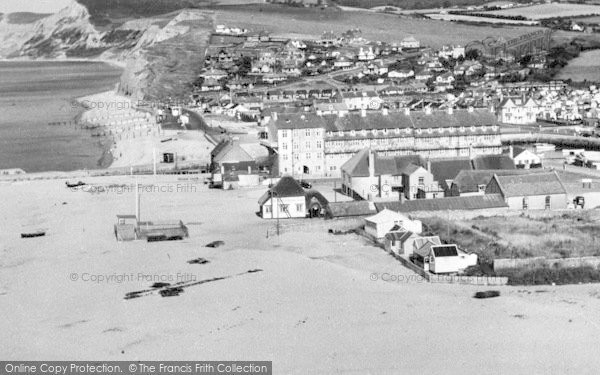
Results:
<point x="380" y="224"/>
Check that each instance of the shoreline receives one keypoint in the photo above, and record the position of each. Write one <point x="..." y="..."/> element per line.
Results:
<point x="111" y="62"/>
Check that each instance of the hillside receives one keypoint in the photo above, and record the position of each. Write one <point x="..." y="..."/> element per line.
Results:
<point x="414" y="4"/>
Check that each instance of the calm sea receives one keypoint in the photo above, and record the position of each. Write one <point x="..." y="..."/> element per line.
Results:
<point x="33" y="94"/>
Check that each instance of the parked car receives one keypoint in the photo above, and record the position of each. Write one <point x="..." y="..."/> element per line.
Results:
<point x="305" y="184"/>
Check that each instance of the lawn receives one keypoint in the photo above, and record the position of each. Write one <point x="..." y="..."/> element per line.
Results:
<point x="555" y="10"/>
<point x="306" y="23"/>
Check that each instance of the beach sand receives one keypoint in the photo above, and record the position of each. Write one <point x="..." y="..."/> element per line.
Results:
<point x="314" y="307"/>
<point x="137" y="136"/>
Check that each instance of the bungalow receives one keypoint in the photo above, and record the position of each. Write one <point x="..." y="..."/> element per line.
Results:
<point x="439" y="258"/>
<point x="524" y="159"/>
<point x="382" y="223"/>
<point x="534" y="191"/>
<point x="229" y="156"/>
<point x="286" y="199"/>
<point x="400" y="241"/>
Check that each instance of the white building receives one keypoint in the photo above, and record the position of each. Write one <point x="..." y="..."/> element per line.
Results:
<point x="523" y="158"/>
<point x="382" y="223"/>
<point x="285" y="200"/>
<point x="520" y="111"/>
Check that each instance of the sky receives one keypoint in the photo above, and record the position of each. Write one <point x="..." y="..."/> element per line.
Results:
<point x="36" y="6"/>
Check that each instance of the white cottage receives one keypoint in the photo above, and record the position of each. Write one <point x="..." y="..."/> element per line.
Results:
<point x="286" y="199"/>
<point x="382" y="223"/>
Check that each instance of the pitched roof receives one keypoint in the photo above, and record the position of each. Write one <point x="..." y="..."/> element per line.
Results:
<point x="287" y="186"/>
<point x="386" y="216"/>
<point x="448" y="169"/>
<point x="423" y="245"/>
<point x="469" y="181"/>
<point x="358" y="165"/>
<point x="530" y="184"/>
<point x="445" y="250"/>
<point x="493" y="162"/>
<point x="476" y="202"/>
<point x="231" y="152"/>
<point x="401" y="236"/>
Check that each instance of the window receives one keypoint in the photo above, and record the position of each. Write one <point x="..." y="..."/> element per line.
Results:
<point x="299" y="207"/>
<point x="284" y="134"/>
<point x="319" y="145"/>
<point x="547" y="202"/>
<point x="285" y="157"/>
<point x="307" y="144"/>
<point x="283" y="208"/>
<point x="307" y="133"/>
<point x="267" y="209"/>
<point x="421" y="180"/>
<point x="284" y="146"/>
<point x="308" y="155"/>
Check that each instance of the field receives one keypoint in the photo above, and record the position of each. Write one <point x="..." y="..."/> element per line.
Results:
<point x="306" y="23"/>
<point x="535" y="234"/>
<point x="467" y="18"/>
<point x="593" y="19"/>
<point x="537" y="12"/>
<point x="413" y="4"/>
<point x="584" y="67"/>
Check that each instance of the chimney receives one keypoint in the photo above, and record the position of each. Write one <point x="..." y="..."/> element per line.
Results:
<point x="470" y="109"/>
<point x="428" y="165"/>
<point x="223" y="170"/>
<point x="511" y="151"/>
<point x="471" y="153"/>
<point x="249" y="170"/>
<point x="428" y="110"/>
<point x="275" y="116"/>
<point x="450" y="110"/>
<point x="384" y="111"/>
<point x="406" y="111"/>
<point x="363" y="113"/>
<point x="340" y="114"/>
<point x="371" y="163"/>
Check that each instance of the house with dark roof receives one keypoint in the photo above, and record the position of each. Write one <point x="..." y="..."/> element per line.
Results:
<point x="285" y="200"/>
<point x="370" y="176"/>
<point x="474" y="182"/>
<point x="531" y="191"/>
<point x="229" y="156"/>
<point x="487" y="162"/>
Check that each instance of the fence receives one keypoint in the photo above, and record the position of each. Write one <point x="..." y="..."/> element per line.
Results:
<point x="470" y="280"/>
<point x="500" y="264"/>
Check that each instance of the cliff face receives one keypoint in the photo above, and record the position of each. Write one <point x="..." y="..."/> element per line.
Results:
<point x="55" y="35"/>
<point x="161" y="54"/>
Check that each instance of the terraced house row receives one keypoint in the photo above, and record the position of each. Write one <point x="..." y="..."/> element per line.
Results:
<point x="307" y="143"/>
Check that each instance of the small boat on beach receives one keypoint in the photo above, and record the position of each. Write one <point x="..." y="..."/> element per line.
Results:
<point x="77" y="184"/>
<point x="39" y="233"/>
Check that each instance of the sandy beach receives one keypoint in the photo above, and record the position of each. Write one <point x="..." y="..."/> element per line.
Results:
<point x="136" y="135"/>
<point x="62" y="295"/>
